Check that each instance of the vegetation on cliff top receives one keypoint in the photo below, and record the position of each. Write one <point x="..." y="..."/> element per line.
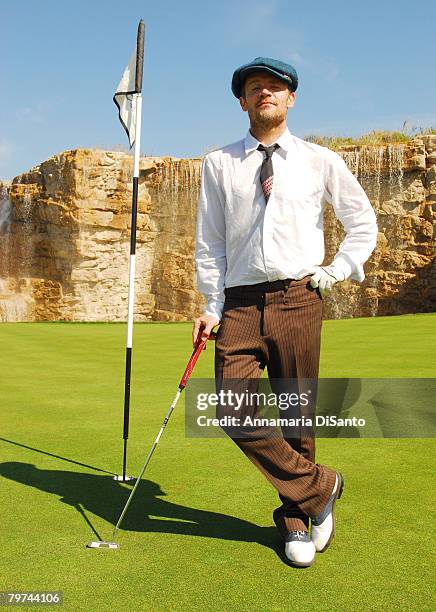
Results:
<point x="375" y="137"/>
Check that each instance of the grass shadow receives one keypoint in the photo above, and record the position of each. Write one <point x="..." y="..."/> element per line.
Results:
<point x="38" y="450"/>
<point x="148" y="512"/>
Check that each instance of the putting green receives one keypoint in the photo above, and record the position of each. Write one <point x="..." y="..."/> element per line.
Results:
<point x="199" y="533"/>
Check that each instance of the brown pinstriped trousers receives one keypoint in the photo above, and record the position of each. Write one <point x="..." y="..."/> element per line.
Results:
<point x="277" y="325"/>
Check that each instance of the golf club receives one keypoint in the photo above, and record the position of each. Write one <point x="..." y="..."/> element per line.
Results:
<point x="200" y="345"/>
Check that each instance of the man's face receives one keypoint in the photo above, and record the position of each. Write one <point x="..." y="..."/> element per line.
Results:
<point x="266" y="100"/>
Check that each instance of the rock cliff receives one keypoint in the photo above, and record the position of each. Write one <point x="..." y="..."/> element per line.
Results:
<point x="65" y="236"/>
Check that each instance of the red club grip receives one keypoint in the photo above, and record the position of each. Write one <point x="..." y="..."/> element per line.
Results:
<point x="191" y="363"/>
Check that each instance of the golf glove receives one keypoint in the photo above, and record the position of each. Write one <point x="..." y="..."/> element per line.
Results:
<point x="324" y="277"/>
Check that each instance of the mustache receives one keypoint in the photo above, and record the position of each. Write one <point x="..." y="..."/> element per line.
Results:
<point x="266" y="102"/>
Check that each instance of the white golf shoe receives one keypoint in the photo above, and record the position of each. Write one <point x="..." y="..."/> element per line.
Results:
<point x="299" y="549"/>
<point x="324" y="524"/>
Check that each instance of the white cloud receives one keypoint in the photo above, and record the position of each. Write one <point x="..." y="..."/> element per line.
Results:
<point x="263" y="24"/>
<point x="33" y="114"/>
<point x="249" y="21"/>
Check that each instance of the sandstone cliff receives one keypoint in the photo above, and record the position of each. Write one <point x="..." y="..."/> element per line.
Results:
<point x="65" y="226"/>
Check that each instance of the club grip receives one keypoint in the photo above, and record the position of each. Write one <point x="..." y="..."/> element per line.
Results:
<point x="191" y="363"/>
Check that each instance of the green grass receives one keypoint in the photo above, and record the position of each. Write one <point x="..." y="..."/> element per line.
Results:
<point x="199" y="533"/>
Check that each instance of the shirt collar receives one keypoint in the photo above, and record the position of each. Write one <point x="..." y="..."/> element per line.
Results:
<point x="284" y="141"/>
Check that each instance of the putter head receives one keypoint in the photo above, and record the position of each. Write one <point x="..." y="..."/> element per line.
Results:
<point x="126" y="479"/>
<point x="101" y="544"/>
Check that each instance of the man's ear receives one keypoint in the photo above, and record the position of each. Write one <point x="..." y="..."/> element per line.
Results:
<point x="291" y="99"/>
<point x="243" y="103"/>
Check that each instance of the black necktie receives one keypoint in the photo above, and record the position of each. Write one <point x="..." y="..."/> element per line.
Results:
<point x="266" y="170"/>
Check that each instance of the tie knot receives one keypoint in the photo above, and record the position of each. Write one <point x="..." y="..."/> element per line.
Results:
<point x="268" y="150"/>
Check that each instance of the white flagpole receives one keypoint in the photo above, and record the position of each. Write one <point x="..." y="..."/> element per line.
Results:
<point x="137" y="98"/>
<point x="131" y="299"/>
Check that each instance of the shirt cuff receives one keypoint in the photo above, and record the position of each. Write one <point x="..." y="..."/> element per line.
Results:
<point x="214" y="308"/>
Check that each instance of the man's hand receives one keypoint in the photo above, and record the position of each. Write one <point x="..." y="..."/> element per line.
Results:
<point x="324" y="277"/>
<point x="204" y="325"/>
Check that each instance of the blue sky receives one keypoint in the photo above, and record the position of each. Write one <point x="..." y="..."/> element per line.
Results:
<point x="361" y="66"/>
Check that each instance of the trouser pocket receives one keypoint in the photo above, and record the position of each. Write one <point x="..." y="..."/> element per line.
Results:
<point x="301" y="293"/>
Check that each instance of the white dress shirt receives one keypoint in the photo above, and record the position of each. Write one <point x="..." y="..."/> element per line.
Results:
<point x="241" y="240"/>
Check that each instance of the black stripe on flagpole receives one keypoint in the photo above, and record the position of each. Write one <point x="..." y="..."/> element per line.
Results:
<point x="139" y="57"/>
<point x="134" y="215"/>
<point x="127" y="392"/>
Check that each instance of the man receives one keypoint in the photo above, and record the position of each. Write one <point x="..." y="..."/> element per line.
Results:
<point x="259" y="251"/>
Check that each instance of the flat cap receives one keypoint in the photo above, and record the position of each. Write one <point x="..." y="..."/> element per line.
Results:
<point x="281" y="70"/>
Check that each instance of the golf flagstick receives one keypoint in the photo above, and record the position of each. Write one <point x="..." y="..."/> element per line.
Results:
<point x="199" y="346"/>
<point x="128" y="99"/>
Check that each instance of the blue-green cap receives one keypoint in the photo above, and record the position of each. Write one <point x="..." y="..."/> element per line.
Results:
<point x="281" y="70"/>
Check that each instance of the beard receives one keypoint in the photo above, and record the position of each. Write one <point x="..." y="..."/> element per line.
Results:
<point x="266" y="120"/>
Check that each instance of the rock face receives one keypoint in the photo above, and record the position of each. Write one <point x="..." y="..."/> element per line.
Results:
<point x="65" y="237"/>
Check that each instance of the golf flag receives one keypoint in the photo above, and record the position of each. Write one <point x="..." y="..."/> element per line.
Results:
<point x="131" y="84"/>
<point x="128" y="99"/>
